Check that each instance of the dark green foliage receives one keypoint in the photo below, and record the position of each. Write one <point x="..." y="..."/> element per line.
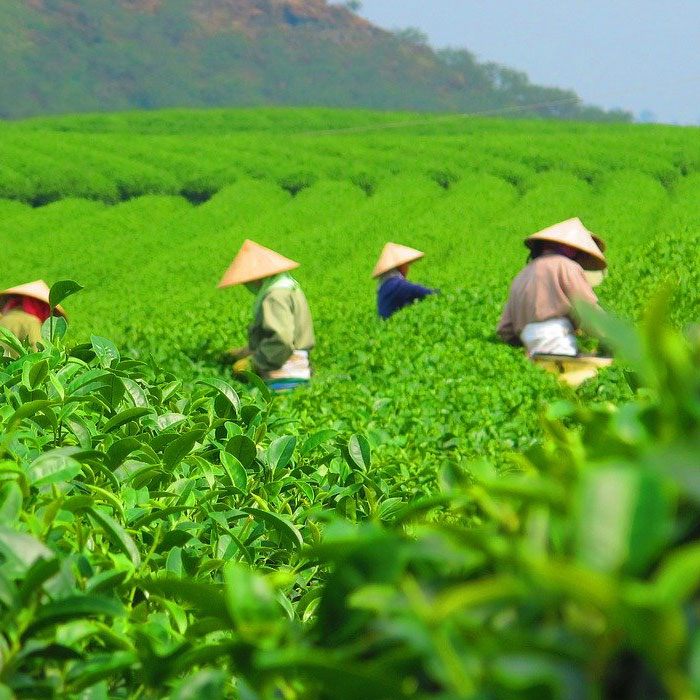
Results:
<point x="574" y="575"/>
<point x="433" y="517"/>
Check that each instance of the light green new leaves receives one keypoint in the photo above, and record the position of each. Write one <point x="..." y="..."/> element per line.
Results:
<point x="359" y="451"/>
<point x="106" y="351"/>
<point x="117" y="534"/>
<point x="10" y="502"/>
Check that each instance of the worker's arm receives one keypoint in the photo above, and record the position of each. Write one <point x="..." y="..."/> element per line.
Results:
<point x="505" y="329"/>
<point x="412" y="292"/>
<point x="235" y="354"/>
<point x="277" y="342"/>
<point x="577" y="289"/>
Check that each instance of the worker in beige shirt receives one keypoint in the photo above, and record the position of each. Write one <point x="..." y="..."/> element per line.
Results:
<point x="281" y="336"/>
<point x="539" y="311"/>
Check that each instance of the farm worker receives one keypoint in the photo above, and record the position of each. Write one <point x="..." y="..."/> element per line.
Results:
<point x="539" y="312"/>
<point x="282" y="333"/>
<point x="394" y="291"/>
<point x="24" y="309"/>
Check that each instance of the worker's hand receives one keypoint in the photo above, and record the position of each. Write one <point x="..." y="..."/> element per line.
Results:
<point x="243" y="365"/>
<point x="234" y="354"/>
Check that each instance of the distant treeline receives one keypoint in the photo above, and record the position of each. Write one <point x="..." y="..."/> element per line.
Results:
<point x="105" y="55"/>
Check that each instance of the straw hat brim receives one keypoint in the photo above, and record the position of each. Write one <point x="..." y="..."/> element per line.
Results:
<point x="587" y="258"/>
<point x="39" y="295"/>
<point x="255" y="262"/>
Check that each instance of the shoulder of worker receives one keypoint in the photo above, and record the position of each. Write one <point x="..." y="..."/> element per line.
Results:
<point x="281" y="294"/>
<point x="553" y="267"/>
<point x="558" y="263"/>
<point x="401" y="283"/>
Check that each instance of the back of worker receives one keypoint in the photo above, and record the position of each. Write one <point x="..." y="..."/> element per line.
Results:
<point x="394" y="291"/>
<point x="25" y="326"/>
<point x="281" y="336"/>
<point x="539" y="313"/>
<point x="23" y="310"/>
<point x="544" y="290"/>
<point x="282" y="332"/>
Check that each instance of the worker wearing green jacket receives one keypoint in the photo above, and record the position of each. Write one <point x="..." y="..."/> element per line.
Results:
<point x="282" y="334"/>
<point x="23" y="310"/>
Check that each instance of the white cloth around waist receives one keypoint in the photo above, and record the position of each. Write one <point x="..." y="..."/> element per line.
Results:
<point x="296" y="367"/>
<point x="552" y="337"/>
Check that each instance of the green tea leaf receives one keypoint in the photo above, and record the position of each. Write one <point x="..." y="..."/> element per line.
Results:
<point x="178" y="449"/>
<point x="38" y="373"/>
<point x="98" y="667"/>
<point x="74" y="607"/>
<point x="678" y="576"/>
<point x="251" y="602"/>
<point x="359" y="451"/>
<point x="205" y="598"/>
<point x="8" y="338"/>
<point x="281" y="451"/>
<point x="243" y="449"/>
<point x="10" y="502"/>
<point x="259" y="384"/>
<point x="127" y="416"/>
<point x="27" y="410"/>
<point x="317" y="439"/>
<point x="38" y="573"/>
<point x="21" y="550"/>
<point x="173" y="562"/>
<point x="204" y="685"/>
<point x="117" y="534"/>
<point x="624" y="518"/>
<point x="235" y="470"/>
<point x="54" y="328"/>
<point x="121" y="449"/>
<point x="62" y="290"/>
<point x="286" y="530"/>
<point x="135" y="391"/>
<point x="105" y="350"/>
<point x="225" y="390"/>
<point x="53" y="467"/>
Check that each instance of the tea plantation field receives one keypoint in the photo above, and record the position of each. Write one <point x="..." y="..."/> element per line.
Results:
<point x="433" y="517"/>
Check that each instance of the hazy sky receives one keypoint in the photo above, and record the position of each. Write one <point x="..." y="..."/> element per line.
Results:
<point x="634" y="54"/>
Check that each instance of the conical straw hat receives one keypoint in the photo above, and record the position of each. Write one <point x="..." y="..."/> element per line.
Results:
<point x="572" y="232"/>
<point x="599" y="242"/>
<point x="254" y="262"/>
<point x="393" y="256"/>
<point x="36" y="290"/>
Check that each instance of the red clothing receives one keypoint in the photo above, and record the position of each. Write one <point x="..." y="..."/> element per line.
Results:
<point x="34" y="307"/>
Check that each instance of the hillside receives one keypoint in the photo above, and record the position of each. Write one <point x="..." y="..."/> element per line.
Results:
<point x="61" y="56"/>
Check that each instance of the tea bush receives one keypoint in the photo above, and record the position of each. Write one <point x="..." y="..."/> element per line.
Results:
<point x="433" y="516"/>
